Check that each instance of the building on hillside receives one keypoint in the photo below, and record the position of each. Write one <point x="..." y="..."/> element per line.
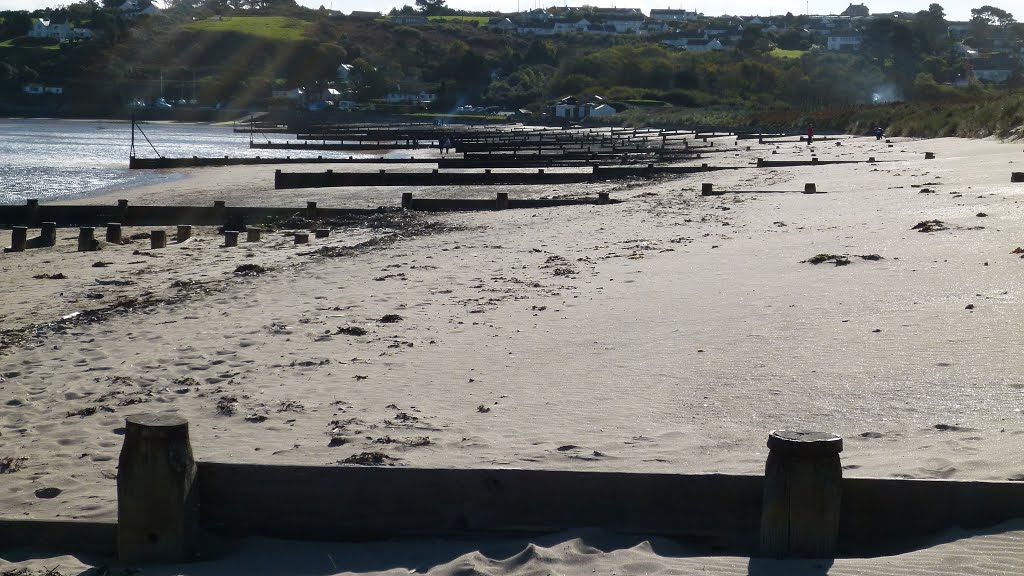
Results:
<point x="844" y="42"/>
<point x="135" y="8"/>
<point x="44" y="28"/>
<point x="422" y="98"/>
<point x="503" y="24"/>
<point x="364" y="15"/>
<point x="567" y="25"/>
<point x="295" y="94"/>
<point x="856" y="10"/>
<point x="537" y="28"/>
<point x="409" y="19"/>
<point x="670" y="15"/>
<point x="958" y="30"/>
<point x="993" y="69"/>
<point x="346" y="72"/>
<point x="626" y="23"/>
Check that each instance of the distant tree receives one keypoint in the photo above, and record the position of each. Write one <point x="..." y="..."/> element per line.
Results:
<point x="431" y="7"/>
<point x="992" y="16"/>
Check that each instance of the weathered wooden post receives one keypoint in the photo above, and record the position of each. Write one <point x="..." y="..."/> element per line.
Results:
<point x="871" y="159"/>
<point x="31" y="211"/>
<point x="87" y="239"/>
<point x="184" y="233"/>
<point x="48" y="234"/>
<point x="302" y="238"/>
<point x="707" y="189"/>
<point x="322" y="233"/>
<point x="230" y="238"/>
<point x="810" y="188"/>
<point x="157" y="497"/>
<point x="220" y="212"/>
<point x="19" y="238"/>
<point x="760" y="162"/>
<point x="406" y="200"/>
<point x="603" y="198"/>
<point x="1017" y="177"/>
<point x="158" y="239"/>
<point x="113" y="233"/>
<point x="802" y="495"/>
<point x="253" y="234"/>
<point x="501" y="202"/>
<point x="122" y="211"/>
<point x="929" y="155"/>
<point x="311" y="210"/>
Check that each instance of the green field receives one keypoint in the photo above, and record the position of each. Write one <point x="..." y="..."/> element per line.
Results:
<point x="480" y="20"/>
<point x="272" y="27"/>
<point x="10" y="44"/>
<point x="780" y="53"/>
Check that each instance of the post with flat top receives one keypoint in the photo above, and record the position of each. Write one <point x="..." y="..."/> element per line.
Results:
<point x="87" y="239"/>
<point x="157" y="497"/>
<point x="19" y="238"/>
<point x="184" y="232"/>
<point x="114" y="233"/>
<point x="802" y="494"/>
<point x="31" y="211"/>
<point x="253" y="234"/>
<point x="406" y="200"/>
<point x="501" y="202"/>
<point x="158" y="239"/>
<point x="48" y="234"/>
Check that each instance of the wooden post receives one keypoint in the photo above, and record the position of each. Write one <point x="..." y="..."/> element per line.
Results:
<point x="1017" y="177"/>
<point x="122" y="210"/>
<point x="157" y="499"/>
<point x="220" y="211"/>
<point x="760" y="162"/>
<point x="87" y="239"/>
<point x="48" y="234"/>
<point x="406" y="200"/>
<point x="184" y="233"/>
<point x="253" y="235"/>
<point x="230" y="238"/>
<point x="501" y="202"/>
<point x="322" y="233"/>
<point x="603" y="198"/>
<point x="19" y="238"/>
<point x="311" y="210"/>
<point x="802" y="494"/>
<point x="114" y="233"/>
<point x="302" y="238"/>
<point x="31" y="211"/>
<point x="929" y="155"/>
<point x="871" y="158"/>
<point x="707" y="189"/>
<point x="158" y="239"/>
<point x="810" y="188"/>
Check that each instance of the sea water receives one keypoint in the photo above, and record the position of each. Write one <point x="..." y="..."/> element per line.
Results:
<point x="53" y="159"/>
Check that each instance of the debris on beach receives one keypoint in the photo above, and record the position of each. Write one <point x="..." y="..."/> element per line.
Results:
<point x="47" y="493"/>
<point x="368" y="459"/>
<point x="10" y="464"/>
<point x="390" y="319"/>
<point x="250" y="270"/>
<point x="352" y="330"/>
<point x="482" y="409"/>
<point x="255" y="417"/>
<point x="837" y="259"/>
<point x="57" y="276"/>
<point x="87" y="411"/>
<point x="227" y="405"/>
<point x="930" y="226"/>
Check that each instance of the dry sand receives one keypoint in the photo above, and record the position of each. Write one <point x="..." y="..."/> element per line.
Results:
<point x="670" y="332"/>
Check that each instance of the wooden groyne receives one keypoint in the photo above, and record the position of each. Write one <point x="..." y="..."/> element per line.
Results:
<point x="331" y="179"/>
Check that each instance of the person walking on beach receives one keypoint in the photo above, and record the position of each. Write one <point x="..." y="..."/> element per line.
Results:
<point x="447" y="144"/>
<point x="440" y="145"/>
<point x="879" y="132"/>
<point x="810" y="133"/>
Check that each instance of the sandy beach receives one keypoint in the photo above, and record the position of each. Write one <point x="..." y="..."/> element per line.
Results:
<point x="669" y="332"/>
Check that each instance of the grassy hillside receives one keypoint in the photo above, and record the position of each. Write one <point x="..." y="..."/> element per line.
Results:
<point x="281" y="28"/>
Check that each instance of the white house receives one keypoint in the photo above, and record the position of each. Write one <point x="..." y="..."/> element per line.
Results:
<point x="295" y="94"/>
<point x="845" y="42"/>
<point x="503" y="24"/>
<point x="627" y="23"/>
<point x="136" y="8"/>
<point x="422" y="97"/>
<point x="45" y="28"/>
<point x="345" y="72"/>
<point x="996" y="70"/>
<point x="670" y="15"/>
<point x="601" y="110"/>
<point x="581" y="25"/>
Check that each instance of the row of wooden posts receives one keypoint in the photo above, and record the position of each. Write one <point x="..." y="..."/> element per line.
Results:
<point x="87" y="241"/>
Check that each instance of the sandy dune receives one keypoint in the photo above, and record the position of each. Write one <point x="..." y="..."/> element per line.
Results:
<point x="670" y="332"/>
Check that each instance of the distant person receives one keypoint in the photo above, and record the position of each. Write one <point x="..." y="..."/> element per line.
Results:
<point x="810" y="134"/>
<point x="440" y="145"/>
<point x="447" y="144"/>
<point x="879" y="133"/>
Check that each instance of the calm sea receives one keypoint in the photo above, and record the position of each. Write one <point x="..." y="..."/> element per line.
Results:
<point x="50" y="159"/>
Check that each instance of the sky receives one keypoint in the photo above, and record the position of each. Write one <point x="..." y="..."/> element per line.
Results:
<point x="955" y="9"/>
